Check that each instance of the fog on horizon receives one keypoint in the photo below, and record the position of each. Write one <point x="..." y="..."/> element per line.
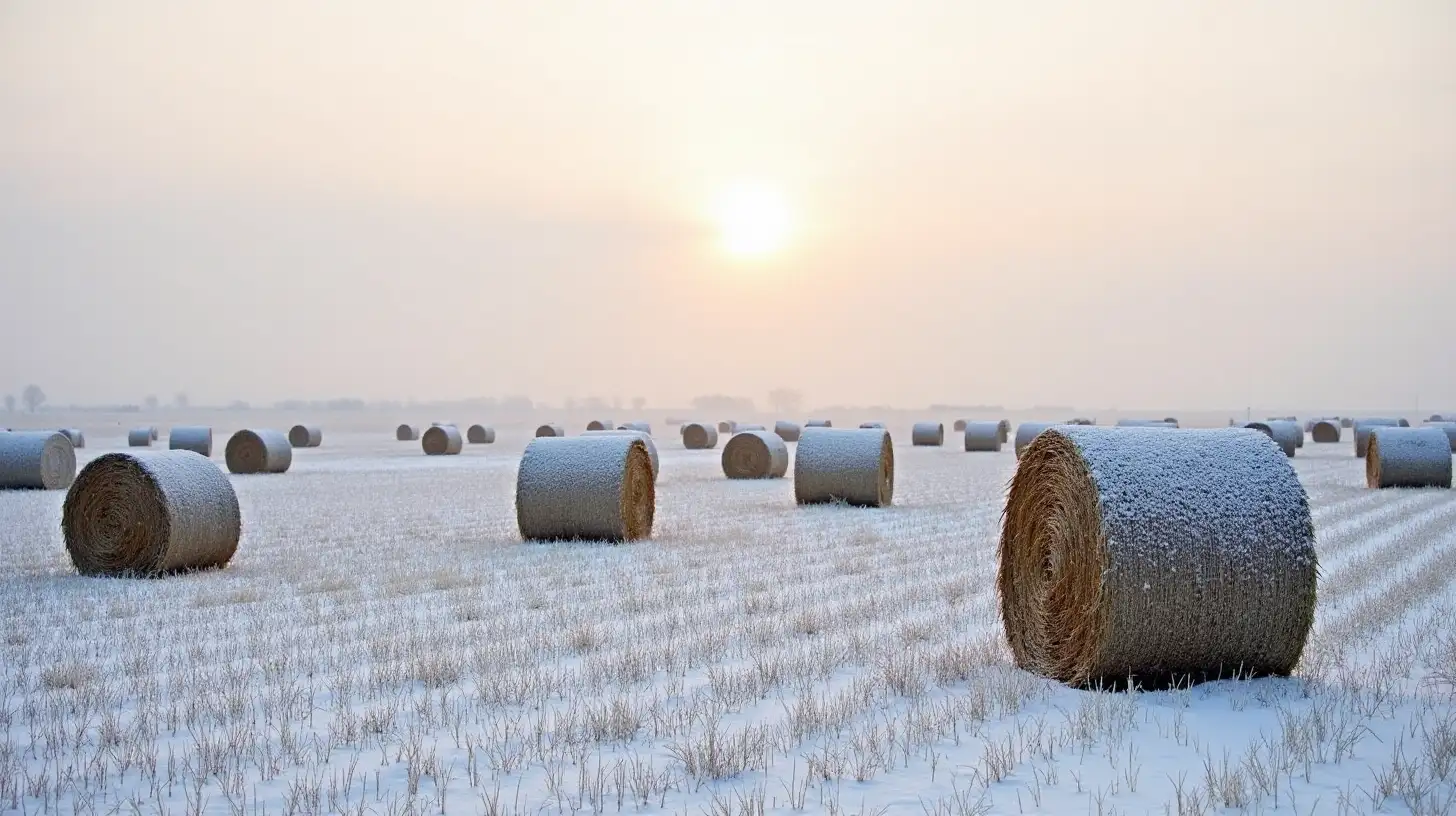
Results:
<point x="1162" y="204"/>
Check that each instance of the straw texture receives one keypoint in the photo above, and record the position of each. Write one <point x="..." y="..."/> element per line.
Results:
<point x="1154" y="556"/>
<point x="1362" y="431"/>
<point x="587" y="487"/>
<point x="853" y="466"/>
<point x="983" y="436"/>
<point x="305" y="436"/>
<point x="755" y="455"/>
<point x="928" y="434"/>
<point x="150" y="513"/>
<point x="1027" y="431"/>
<point x="480" y="435"/>
<point x="258" y="451"/>
<point x="195" y="438"/>
<point x="139" y="437"/>
<point x="699" y="436"/>
<point x="1408" y="457"/>
<point x="549" y="430"/>
<point x="646" y="441"/>
<point x="1325" y="431"/>
<point x="788" y="431"/>
<point x="441" y="440"/>
<point x="36" y="460"/>
<point x="406" y="433"/>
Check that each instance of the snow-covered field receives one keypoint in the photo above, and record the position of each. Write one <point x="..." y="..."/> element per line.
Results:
<point x="384" y="643"/>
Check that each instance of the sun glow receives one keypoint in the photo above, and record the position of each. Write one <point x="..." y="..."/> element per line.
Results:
<point x="754" y="220"/>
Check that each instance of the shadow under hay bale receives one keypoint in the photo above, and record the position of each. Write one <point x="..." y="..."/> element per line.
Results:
<point x="1325" y="431"/>
<point x="139" y="438"/>
<point x="699" y="436"/>
<point x="36" y="460"/>
<point x="854" y="466"/>
<point x="480" y="435"/>
<point x="755" y="455"/>
<point x="1363" y="428"/>
<point x="149" y="514"/>
<point x="1408" y="457"/>
<point x="407" y="433"/>
<point x="258" y="451"/>
<point x="441" y="440"/>
<point x="787" y="431"/>
<point x="305" y="436"/>
<point x="983" y="436"/>
<point x="927" y="434"/>
<point x="549" y="430"/>
<point x="587" y="487"/>
<point x="195" y="438"/>
<point x="646" y="441"/>
<point x="1103" y="579"/>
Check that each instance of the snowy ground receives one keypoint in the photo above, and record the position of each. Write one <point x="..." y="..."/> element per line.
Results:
<point x="383" y="643"/>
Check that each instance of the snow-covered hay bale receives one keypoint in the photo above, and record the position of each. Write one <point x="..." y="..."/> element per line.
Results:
<point x="36" y="460"/>
<point x="789" y="431"/>
<point x="1005" y="427"/>
<point x="78" y="439"/>
<point x="927" y="434"/>
<point x="442" y="440"/>
<point x="1442" y="418"/>
<point x="699" y="436"/>
<point x="479" y="435"/>
<point x="1362" y="431"/>
<point x="258" y="451"/>
<point x="872" y="425"/>
<point x="139" y="437"/>
<point x="1283" y="433"/>
<point x="726" y="427"/>
<point x="818" y="423"/>
<point x="195" y="438"/>
<point x="305" y="436"/>
<point x="586" y="487"/>
<point x="958" y="426"/>
<point x="644" y="427"/>
<point x="1403" y="422"/>
<point x="756" y="455"/>
<point x="549" y="430"/>
<point x="1347" y="422"/>
<point x="983" y="436"/>
<point x="1155" y="556"/>
<point x="1325" y="431"/>
<point x="600" y="425"/>
<point x="853" y="466"/>
<point x="646" y="441"/>
<point x="1408" y="457"/>
<point x="1449" y="428"/>
<point x="150" y="513"/>
<point x="1027" y="431"/>
<point x="407" y="433"/>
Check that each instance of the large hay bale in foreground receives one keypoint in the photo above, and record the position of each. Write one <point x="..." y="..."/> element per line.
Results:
<point x="853" y="466"/>
<point x="150" y="513"/>
<point x="1283" y="433"/>
<point x="1325" y="431"/>
<point x="139" y="437"/>
<point x="646" y="441"/>
<point x="1005" y="428"/>
<point x="305" y="436"/>
<point x="1155" y="556"/>
<point x="479" y="435"/>
<point x="407" y="433"/>
<point x="983" y="436"/>
<point x="258" y="451"/>
<point x="600" y="425"/>
<point x="755" y="455"/>
<point x="78" y="439"/>
<point x="588" y="487"/>
<point x="1027" y="431"/>
<point x="549" y="430"/>
<point x="36" y="460"/>
<point x="788" y="431"/>
<point x="1408" y="457"/>
<point x="442" y="440"/>
<point x="644" y="427"/>
<point x="195" y="438"/>
<point x="1362" y="431"/>
<point x="699" y="436"/>
<point x="927" y="434"/>
<point x="818" y="423"/>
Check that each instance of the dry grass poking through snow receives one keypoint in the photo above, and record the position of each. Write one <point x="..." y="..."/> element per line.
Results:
<point x="383" y="643"/>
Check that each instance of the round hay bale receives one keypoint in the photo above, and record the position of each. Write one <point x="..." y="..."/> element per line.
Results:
<point x="78" y="439"/>
<point x="407" y="433"/>
<point x="1402" y="422"/>
<point x="442" y="440"/>
<point x="600" y="425"/>
<point x="699" y="436"/>
<point x="853" y="466"/>
<point x="260" y="451"/>
<point x="1408" y="457"/>
<point x="958" y="426"/>
<point x="586" y="487"/>
<point x="1027" y="431"/>
<point x="787" y="430"/>
<point x="195" y="438"/>
<point x="756" y="455"/>
<point x="644" y="427"/>
<point x="36" y="460"/>
<point x="1081" y="421"/>
<point x="983" y="436"/>
<point x="151" y="513"/>
<point x="818" y="423"/>
<point x="726" y="427"/>
<point x="139" y="437"/>
<point x="305" y="436"/>
<point x="549" y="430"/>
<point x="1283" y="433"/>
<point x="1325" y="431"/>
<point x="927" y="434"/>
<point x="1171" y="421"/>
<point x="646" y="441"/>
<point x="869" y="426"/>
<point x="1362" y="431"/>
<point x="480" y="435"/>
<point x="1155" y="557"/>
<point x="1347" y="422"/>
<point x="741" y="428"/>
<point x="1005" y="427"/>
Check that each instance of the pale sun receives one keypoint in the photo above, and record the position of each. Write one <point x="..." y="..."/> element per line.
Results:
<point x="754" y="220"/>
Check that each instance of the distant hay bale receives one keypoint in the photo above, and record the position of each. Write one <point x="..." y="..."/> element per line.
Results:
<point x="586" y="487"/>
<point x="852" y="466"/>
<point x="958" y="426"/>
<point x="983" y="436"/>
<point x="1325" y="431"/>
<point x="1347" y="422"/>
<point x="699" y="436"/>
<point x="789" y="431"/>
<point x="1027" y="431"/>
<point x="644" y="436"/>
<point x="480" y="435"/>
<point x="549" y="430"/>
<point x="1005" y="427"/>
<point x="442" y="425"/>
<point x="818" y="423"/>
<point x="258" y="451"/>
<point x="1403" y="422"/>
<point x="750" y="427"/>
<point x="1080" y="421"/>
<point x="78" y="439"/>
<point x="927" y="434"/>
<point x="1283" y="433"/>
<point x="1104" y="577"/>
<point x="644" y="427"/>
<point x="1449" y="428"/>
<point x="726" y="427"/>
<point x="755" y="455"/>
<point x="305" y="436"/>
<point x="1171" y="421"/>
<point x="151" y="513"/>
<point x="36" y="460"/>
<point x="600" y="425"/>
<point x="1408" y="457"/>
<point x="1442" y="418"/>
<point x="195" y="438"/>
<point x="406" y="433"/>
<point x="156" y="432"/>
<point x="139" y="437"/>
<point x="1362" y="431"/>
<point x="872" y="425"/>
<point x="442" y="440"/>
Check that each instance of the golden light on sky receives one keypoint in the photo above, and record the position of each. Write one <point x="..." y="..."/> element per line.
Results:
<point x="754" y="219"/>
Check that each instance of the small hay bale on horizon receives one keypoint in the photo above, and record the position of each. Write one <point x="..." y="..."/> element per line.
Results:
<point x="1004" y="426"/>
<point x="854" y="466"/>
<point x="258" y="451"/>
<point x="872" y="426"/>
<point x="726" y="427"/>
<point x="600" y="425"/>
<point x="586" y="487"/>
<point x="927" y="434"/>
<point x="1325" y="431"/>
<point x="480" y="435"/>
<point x="644" y="427"/>
<point x="36" y="460"/>
<point x="983" y="437"/>
<point x="699" y="436"/>
<point x="195" y="438"/>
<point x="788" y="431"/>
<point x="407" y="433"/>
<point x="139" y="438"/>
<point x="549" y="430"/>
<point x="442" y="440"/>
<point x="1408" y="457"/>
<point x="818" y="423"/>
<point x="305" y="436"/>
<point x="755" y="455"/>
<point x="958" y="426"/>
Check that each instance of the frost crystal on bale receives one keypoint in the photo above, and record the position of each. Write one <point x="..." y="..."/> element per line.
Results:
<point x="406" y="433"/>
<point x="479" y="435"/>
<point x="258" y="451"/>
<point x="1408" y="457"/>
<point x="36" y="460"/>
<point x="699" y="436"/>
<point x="983" y="436"/>
<point x="1027" y="431"/>
<point x="1325" y="431"/>
<point x="644" y="427"/>
<point x="549" y="430"/>
<point x="195" y="438"/>
<point x="755" y="455"/>
<point x="591" y="487"/>
<point x="139" y="437"/>
<point x="1283" y="433"/>
<point x="305" y="436"/>
<point x="1156" y="556"/>
<point x="150" y="513"/>
<point x="600" y="425"/>
<point x="853" y="466"/>
<point x="927" y="434"/>
<point x="1362" y="431"/>
<point x="788" y="431"/>
<point x="643" y="435"/>
<point x="442" y="440"/>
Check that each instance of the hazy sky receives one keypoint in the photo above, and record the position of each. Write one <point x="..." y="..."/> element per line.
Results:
<point x="1141" y="203"/>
